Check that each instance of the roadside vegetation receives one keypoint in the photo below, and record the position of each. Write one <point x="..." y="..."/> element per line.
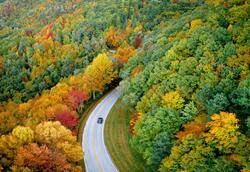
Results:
<point x="117" y="140"/>
<point x="53" y="64"/>
<point x="184" y="72"/>
<point x="189" y="84"/>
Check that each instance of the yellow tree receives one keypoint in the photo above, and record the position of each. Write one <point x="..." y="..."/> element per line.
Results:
<point x="173" y="99"/>
<point x="223" y="132"/>
<point x="72" y="152"/>
<point x="113" y="37"/>
<point x="24" y="134"/>
<point x="215" y="2"/>
<point x="52" y="133"/>
<point x="99" y="73"/>
<point x="57" y="136"/>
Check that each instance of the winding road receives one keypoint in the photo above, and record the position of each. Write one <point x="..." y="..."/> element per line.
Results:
<point x="96" y="156"/>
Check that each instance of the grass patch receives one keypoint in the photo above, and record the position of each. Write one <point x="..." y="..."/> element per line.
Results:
<point x="117" y="140"/>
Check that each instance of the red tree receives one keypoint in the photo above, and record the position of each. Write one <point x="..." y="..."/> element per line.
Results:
<point x="41" y="158"/>
<point x="68" y="119"/>
<point x="76" y="97"/>
<point x="137" y="41"/>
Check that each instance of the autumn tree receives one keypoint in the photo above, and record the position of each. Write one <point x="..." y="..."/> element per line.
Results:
<point x="124" y="53"/>
<point x="53" y="132"/>
<point x="34" y="157"/>
<point x="113" y="37"/>
<point x="75" y="98"/>
<point x="138" y="41"/>
<point x="173" y="100"/>
<point x="220" y="146"/>
<point x="24" y="134"/>
<point x="42" y="158"/>
<point x="8" y="121"/>
<point x="72" y="152"/>
<point x="193" y="155"/>
<point x="68" y="119"/>
<point x="57" y="136"/>
<point x="99" y="73"/>
<point x="10" y="143"/>
<point x="8" y="146"/>
<point x="223" y="132"/>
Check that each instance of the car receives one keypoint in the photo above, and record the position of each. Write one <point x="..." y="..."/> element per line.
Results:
<point x="100" y="120"/>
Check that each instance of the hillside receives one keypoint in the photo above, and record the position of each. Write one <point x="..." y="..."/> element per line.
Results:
<point x="183" y="67"/>
<point x="190" y="86"/>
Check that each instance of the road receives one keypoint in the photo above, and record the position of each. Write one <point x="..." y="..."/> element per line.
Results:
<point x="96" y="156"/>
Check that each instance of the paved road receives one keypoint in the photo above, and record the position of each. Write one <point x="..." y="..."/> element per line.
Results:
<point x="96" y="156"/>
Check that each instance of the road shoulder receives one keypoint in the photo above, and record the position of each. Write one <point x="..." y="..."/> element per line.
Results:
<point x="117" y="140"/>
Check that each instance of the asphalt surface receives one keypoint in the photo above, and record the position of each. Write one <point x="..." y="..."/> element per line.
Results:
<point x="96" y="156"/>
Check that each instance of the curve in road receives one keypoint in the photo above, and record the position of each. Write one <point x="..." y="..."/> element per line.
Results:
<point x="96" y="156"/>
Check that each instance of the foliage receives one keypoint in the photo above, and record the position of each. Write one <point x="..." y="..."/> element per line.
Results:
<point x="54" y="140"/>
<point x="154" y="130"/>
<point x="37" y="157"/>
<point x="185" y="70"/>
<point x="135" y="117"/>
<point x="205" y="151"/>
<point x="137" y="70"/>
<point x="194" y="60"/>
<point x="124" y="53"/>
<point x="73" y="153"/>
<point x="49" y="147"/>
<point x="223" y="132"/>
<point x="45" y="41"/>
<point x="75" y="98"/>
<point x="113" y="38"/>
<point x="67" y="119"/>
<point x="24" y="134"/>
<point x="33" y="156"/>
<point x="99" y="73"/>
<point x="248" y="125"/>
<point x="51" y="132"/>
<point x="173" y="100"/>
<point x="191" y="128"/>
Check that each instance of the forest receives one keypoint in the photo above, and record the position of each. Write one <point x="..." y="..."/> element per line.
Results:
<point x="183" y="67"/>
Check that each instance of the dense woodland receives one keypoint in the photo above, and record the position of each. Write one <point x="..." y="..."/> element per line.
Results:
<point x="183" y="66"/>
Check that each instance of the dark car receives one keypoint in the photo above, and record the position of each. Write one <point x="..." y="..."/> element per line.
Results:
<point x="100" y="120"/>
